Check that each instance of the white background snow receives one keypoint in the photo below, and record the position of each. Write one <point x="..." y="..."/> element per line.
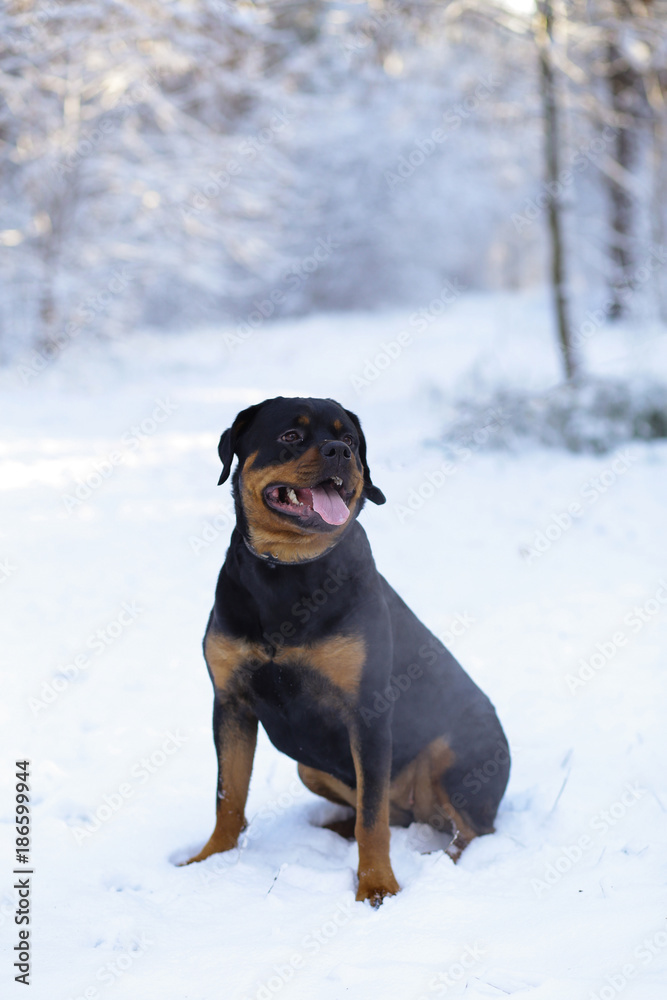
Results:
<point x="565" y="901"/>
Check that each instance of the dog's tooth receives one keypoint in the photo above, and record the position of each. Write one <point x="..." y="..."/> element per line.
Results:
<point x="292" y="496"/>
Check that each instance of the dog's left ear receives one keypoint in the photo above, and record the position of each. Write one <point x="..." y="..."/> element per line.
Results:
<point x="228" y="446"/>
<point x="370" y="492"/>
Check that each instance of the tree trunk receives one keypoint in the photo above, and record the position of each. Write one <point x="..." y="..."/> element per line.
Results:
<point x="659" y="193"/>
<point x="623" y="84"/>
<point x="552" y="148"/>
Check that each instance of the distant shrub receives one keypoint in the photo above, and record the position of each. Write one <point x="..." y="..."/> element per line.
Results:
<point x="592" y="416"/>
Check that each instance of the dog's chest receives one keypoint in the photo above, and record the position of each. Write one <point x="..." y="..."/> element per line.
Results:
<point x="302" y="694"/>
<point x="334" y="663"/>
<point x="303" y="715"/>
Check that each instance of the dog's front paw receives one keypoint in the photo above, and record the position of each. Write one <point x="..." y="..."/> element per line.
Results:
<point x="216" y="845"/>
<point x="374" y="888"/>
<point x="201" y="856"/>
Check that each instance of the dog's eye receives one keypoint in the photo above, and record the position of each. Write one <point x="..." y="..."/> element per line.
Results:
<point x="289" y="437"/>
<point x="348" y="439"/>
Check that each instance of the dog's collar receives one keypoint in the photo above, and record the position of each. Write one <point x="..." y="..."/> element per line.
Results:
<point x="272" y="561"/>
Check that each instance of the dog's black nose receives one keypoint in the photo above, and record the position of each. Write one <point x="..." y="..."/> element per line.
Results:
<point x="336" y="449"/>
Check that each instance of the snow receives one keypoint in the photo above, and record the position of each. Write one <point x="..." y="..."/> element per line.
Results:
<point x="565" y="900"/>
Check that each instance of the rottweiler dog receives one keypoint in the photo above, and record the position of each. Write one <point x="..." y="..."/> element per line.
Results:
<point x="306" y="637"/>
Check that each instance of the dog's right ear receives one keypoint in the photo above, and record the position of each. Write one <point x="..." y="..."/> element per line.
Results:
<point x="228" y="446"/>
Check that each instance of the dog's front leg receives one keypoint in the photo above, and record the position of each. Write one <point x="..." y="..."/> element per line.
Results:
<point x="371" y="750"/>
<point x="235" y="735"/>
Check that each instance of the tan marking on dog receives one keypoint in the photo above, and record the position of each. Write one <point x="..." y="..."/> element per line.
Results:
<point x="303" y="420"/>
<point x="237" y="751"/>
<point x="340" y="659"/>
<point x="327" y="786"/>
<point x="413" y="788"/>
<point x="271" y="533"/>
<point x="338" y="426"/>
<point x="225" y="656"/>
<point x="417" y="794"/>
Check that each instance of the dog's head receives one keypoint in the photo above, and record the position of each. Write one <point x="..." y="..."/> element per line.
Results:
<point x="302" y="476"/>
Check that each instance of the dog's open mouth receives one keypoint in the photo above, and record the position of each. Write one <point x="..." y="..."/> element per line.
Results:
<point x="328" y="499"/>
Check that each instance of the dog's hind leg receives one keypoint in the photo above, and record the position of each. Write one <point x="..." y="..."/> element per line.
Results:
<point x="334" y="790"/>
<point x="430" y="801"/>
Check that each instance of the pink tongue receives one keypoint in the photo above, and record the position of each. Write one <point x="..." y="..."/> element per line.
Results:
<point x="329" y="504"/>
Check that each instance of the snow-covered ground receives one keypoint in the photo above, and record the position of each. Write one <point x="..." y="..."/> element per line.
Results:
<point x="557" y="611"/>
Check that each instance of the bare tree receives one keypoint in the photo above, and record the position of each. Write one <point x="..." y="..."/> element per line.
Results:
<point x="625" y="86"/>
<point x="622" y="46"/>
<point x="552" y="155"/>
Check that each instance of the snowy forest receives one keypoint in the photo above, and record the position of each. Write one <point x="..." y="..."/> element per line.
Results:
<point x="451" y="218"/>
<point x="173" y="164"/>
